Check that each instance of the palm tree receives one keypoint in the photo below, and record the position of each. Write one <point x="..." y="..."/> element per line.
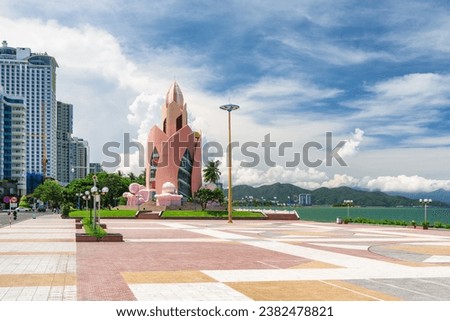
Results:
<point x="211" y="172"/>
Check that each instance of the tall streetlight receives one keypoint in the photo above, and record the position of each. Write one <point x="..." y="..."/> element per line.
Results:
<point x="87" y="197"/>
<point x="348" y="203"/>
<point x="96" y="194"/>
<point x="425" y="202"/>
<point x="229" y="108"/>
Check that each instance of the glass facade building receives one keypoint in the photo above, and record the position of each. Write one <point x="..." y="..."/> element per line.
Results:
<point x="64" y="132"/>
<point x="32" y="77"/>
<point x="12" y="141"/>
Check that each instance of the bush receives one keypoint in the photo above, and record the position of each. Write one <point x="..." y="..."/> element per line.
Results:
<point x="438" y="225"/>
<point x="65" y="210"/>
<point x="98" y="232"/>
<point x="363" y="220"/>
<point x="24" y="202"/>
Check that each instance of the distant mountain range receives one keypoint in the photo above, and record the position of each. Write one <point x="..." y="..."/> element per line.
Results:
<point x="284" y="193"/>
<point x="438" y="195"/>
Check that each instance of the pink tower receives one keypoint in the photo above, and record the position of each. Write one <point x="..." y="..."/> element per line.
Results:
<point x="173" y="152"/>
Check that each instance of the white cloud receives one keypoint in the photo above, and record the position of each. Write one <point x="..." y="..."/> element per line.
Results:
<point x="430" y="141"/>
<point x="331" y="53"/>
<point x="434" y="36"/>
<point x="145" y="112"/>
<point x="313" y="179"/>
<point x="283" y="88"/>
<point x="405" y="183"/>
<point x="408" y="96"/>
<point x="339" y="180"/>
<point x="309" y="178"/>
<point x="351" y="145"/>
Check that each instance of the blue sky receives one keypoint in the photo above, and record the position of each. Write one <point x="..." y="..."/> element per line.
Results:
<point x="375" y="74"/>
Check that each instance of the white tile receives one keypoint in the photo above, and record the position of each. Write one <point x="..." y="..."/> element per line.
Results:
<point x="438" y="259"/>
<point x="186" y="292"/>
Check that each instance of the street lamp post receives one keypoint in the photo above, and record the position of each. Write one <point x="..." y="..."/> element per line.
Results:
<point x="96" y="194"/>
<point x="229" y="108"/>
<point x="103" y="192"/>
<point x="425" y="202"/>
<point x="78" y="195"/>
<point x="87" y="197"/>
<point x="348" y="203"/>
<point x="139" y="198"/>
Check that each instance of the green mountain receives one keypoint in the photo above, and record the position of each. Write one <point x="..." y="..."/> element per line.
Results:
<point x="283" y="193"/>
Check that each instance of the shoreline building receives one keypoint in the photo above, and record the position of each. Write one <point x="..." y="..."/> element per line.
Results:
<point x="79" y="158"/>
<point x="73" y="152"/>
<point x="12" y="141"/>
<point x="304" y="200"/>
<point x="64" y="135"/>
<point x="95" y="168"/>
<point x="173" y="151"/>
<point x="32" y="77"/>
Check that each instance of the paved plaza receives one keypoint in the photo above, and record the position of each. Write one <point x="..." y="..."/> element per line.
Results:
<point x="178" y="260"/>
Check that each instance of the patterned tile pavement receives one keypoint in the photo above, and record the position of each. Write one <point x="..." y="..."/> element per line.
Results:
<point x="38" y="260"/>
<point x="178" y="260"/>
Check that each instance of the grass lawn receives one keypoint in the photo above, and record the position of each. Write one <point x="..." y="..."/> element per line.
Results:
<point x="209" y="214"/>
<point x="105" y="213"/>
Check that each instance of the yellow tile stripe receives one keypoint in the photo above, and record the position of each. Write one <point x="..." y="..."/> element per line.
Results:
<point x="306" y="291"/>
<point x="166" y="277"/>
<point x="316" y="265"/>
<point x="18" y="280"/>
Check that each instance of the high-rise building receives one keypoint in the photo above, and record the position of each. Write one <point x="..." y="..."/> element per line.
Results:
<point x="32" y="76"/>
<point x="304" y="199"/>
<point x="64" y="132"/>
<point x="12" y="141"/>
<point x="79" y="158"/>
<point x="95" y="168"/>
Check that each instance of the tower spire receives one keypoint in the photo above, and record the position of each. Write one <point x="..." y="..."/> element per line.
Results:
<point x="174" y="94"/>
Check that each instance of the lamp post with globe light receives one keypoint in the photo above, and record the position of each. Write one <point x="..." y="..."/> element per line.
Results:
<point x="425" y="202"/>
<point x="96" y="197"/>
<point x="348" y="203"/>
<point x="87" y="196"/>
<point x="78" y="195"/>
<point x="229" y="108"/>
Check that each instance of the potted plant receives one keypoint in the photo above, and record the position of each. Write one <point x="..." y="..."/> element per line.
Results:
<point x="413" y="223"/>
<point x="425" y="225"/>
